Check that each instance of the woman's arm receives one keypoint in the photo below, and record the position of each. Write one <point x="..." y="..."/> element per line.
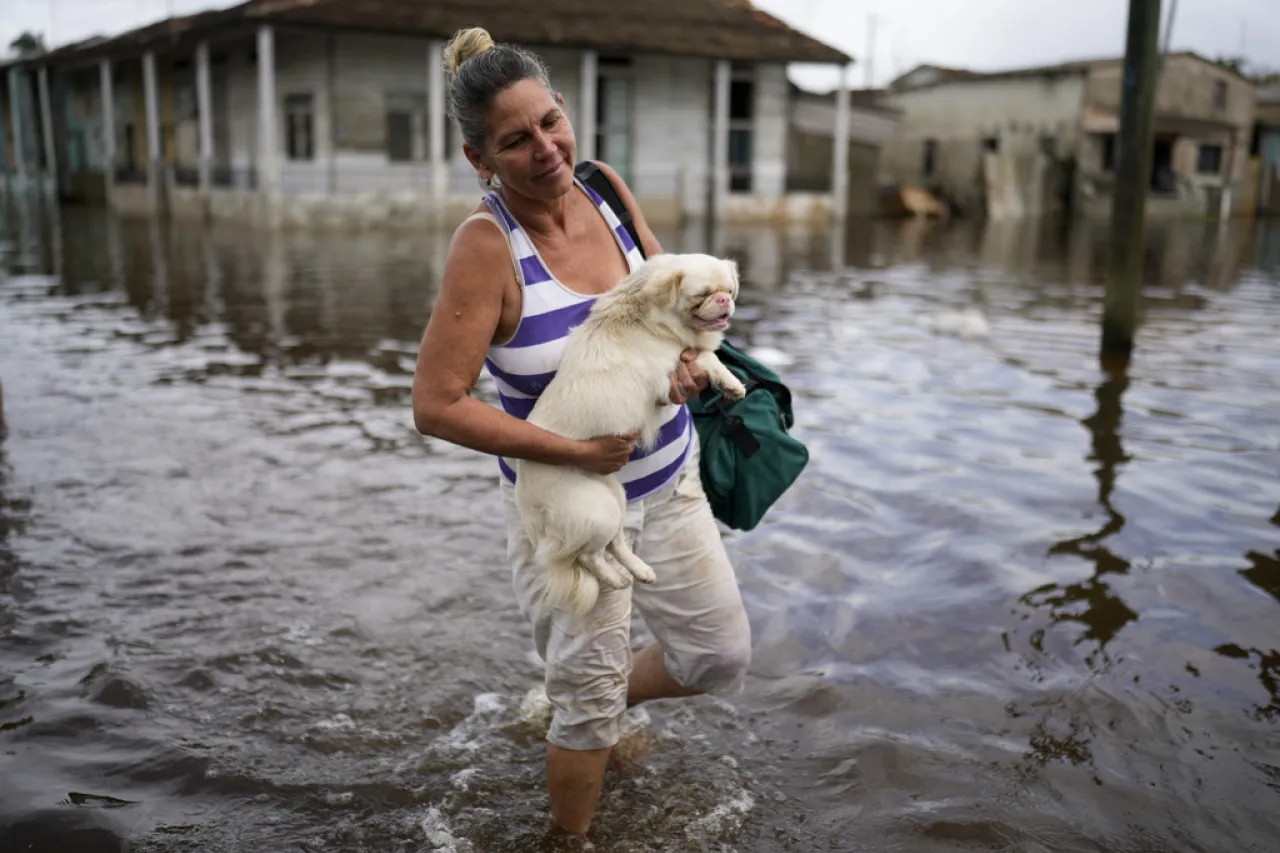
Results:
<point x="463" y="322"/>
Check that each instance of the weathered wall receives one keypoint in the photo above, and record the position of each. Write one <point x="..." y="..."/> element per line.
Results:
<point x="1189" y="108"/>
<point x="1017" y="112"/>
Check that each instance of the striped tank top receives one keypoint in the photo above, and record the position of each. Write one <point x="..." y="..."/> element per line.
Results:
<point x="522" y="367"/>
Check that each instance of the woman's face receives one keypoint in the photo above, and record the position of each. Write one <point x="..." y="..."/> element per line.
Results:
<point x="530" y="147"/>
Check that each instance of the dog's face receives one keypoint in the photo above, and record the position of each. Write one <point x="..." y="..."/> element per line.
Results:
<point x="699" y="290"/>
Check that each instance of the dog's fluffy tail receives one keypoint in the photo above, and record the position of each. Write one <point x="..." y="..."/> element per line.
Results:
<point x="569" y="585"/>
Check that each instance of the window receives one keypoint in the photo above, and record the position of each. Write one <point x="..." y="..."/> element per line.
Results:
<point x="299" y="127"/>
<point x="741" y="128"/>
<point x="1107" y="144"/>
<point x="614" y="95"/>
<point x="930" y="157"/>
<point x="1220" y="94"/>
<point x="399" y="136"/>
<point x="1209" y="160"/>
<point x="406" y="125"/>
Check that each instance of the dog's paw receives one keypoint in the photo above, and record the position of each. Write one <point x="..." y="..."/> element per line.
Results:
<point x="734" y="390"/>
<point x="642" y="573"/>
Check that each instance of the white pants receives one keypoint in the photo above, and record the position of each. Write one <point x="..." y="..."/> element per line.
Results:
<point x="693" y="609"/>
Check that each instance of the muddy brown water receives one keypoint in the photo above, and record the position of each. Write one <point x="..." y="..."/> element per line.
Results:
<point x="1016" y="603"/>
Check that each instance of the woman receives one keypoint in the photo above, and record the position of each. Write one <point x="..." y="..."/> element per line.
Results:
<point x="521" y="271"/>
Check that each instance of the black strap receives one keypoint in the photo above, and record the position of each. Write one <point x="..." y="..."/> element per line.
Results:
<point x="591" y="175"/>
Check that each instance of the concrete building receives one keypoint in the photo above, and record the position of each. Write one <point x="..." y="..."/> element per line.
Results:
<point x="297" y="111"/>
<point x="1041" y="140"/>
<point x="870" y="125"/>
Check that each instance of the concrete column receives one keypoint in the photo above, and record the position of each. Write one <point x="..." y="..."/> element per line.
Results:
<point x="587" y="107"/>
<point x="46" y="134"/>
<point x="436" y="121"/>
<point x="4" y="159"/>
<point x="154" y="159"/>
<point x="720" y="145"/>
<point x="268" y="137"/>
<point x="15" y="121"/>
<point x="108" y="126"/>
<point x="840" y="152"/>
<point x="204" y="109"/>
<point x="331" y="109"/>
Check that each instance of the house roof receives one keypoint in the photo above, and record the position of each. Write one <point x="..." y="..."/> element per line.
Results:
<point x="1057" y="69"/>
<point x="722" y="29"/>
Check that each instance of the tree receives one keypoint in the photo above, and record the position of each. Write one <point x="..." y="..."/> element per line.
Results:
<point x="28" y="44"/>
<point x="1251" y="71"/>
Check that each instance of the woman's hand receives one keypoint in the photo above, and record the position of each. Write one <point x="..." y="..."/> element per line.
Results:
<point x="606" y="454"/>
<point x="688" y="379"/>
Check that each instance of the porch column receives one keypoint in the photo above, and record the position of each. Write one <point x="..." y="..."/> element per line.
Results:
<point x="840" y="158"/>
<point x="46" y="134"/>
<point x="720" y="145"/>
<point x="153" y="128"/>
<point x="268" y="139"/>
<point x="436" y="122"/>
<point x="204" y="109"/>
<point x="587" y="107"/>
<point x="108" y="127"/>
<point x="15" y="121"/>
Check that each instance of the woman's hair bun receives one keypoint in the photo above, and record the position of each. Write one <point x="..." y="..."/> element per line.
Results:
<point x="464" y="45"/>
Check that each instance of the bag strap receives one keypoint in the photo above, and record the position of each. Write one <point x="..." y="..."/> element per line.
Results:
<point x="590" y="174"/>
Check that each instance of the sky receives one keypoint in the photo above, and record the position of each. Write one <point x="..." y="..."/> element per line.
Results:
<point x="980" y="34"/>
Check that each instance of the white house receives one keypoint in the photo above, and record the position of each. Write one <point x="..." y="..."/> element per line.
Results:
<point x="299" y="111"/>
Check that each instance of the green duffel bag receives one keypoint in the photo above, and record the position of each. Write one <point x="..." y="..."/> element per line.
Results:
<point x="749" y="457"/>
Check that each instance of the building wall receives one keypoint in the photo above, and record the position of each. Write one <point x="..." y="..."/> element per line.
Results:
<point x="1189" y="89"/>
<point x="671" y="130"/>
<point x="959" y="116"/>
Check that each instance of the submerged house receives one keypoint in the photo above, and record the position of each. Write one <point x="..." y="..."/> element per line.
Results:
<point x="1038" y="140"/>
<point x="815" y="119"/>
<point x="313" y="110"/>
<point x="1265" y="151"/>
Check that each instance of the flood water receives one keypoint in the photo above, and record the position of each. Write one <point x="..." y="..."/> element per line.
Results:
<point x="1016" y="602"/>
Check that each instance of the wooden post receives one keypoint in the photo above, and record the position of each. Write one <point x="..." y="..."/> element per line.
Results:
<point x="1133" y="176"/>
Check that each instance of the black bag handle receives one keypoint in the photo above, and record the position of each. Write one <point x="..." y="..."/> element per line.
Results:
<point x="591" y="175"/>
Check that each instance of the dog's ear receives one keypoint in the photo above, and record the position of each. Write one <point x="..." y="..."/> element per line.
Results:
<point x="669" y="284"/>
<point x="733" y="276"/>
<point x="663" y="281"/>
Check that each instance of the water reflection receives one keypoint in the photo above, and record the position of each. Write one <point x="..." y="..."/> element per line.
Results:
<point x="1091" y="602"/>
<point x="276" y="560"/>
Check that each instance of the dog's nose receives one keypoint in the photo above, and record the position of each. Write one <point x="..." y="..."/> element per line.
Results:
<point x="723" y="300"/>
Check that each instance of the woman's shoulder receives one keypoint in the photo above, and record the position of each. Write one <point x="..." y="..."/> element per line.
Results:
<point x="480" y="231"/>
<point x="476" y="241"/>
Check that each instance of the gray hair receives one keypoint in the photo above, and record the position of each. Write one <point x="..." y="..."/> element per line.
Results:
<point x="477" y="71"/>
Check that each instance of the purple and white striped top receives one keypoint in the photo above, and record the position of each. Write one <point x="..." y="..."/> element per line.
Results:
<point x="522" y="367"/>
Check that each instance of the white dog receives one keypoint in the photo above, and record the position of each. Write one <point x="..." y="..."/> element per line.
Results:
<point x="613" y="379"/>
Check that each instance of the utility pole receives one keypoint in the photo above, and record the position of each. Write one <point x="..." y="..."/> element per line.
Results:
<point x="1133" y="176"/>
<point x="871" y="49"/>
